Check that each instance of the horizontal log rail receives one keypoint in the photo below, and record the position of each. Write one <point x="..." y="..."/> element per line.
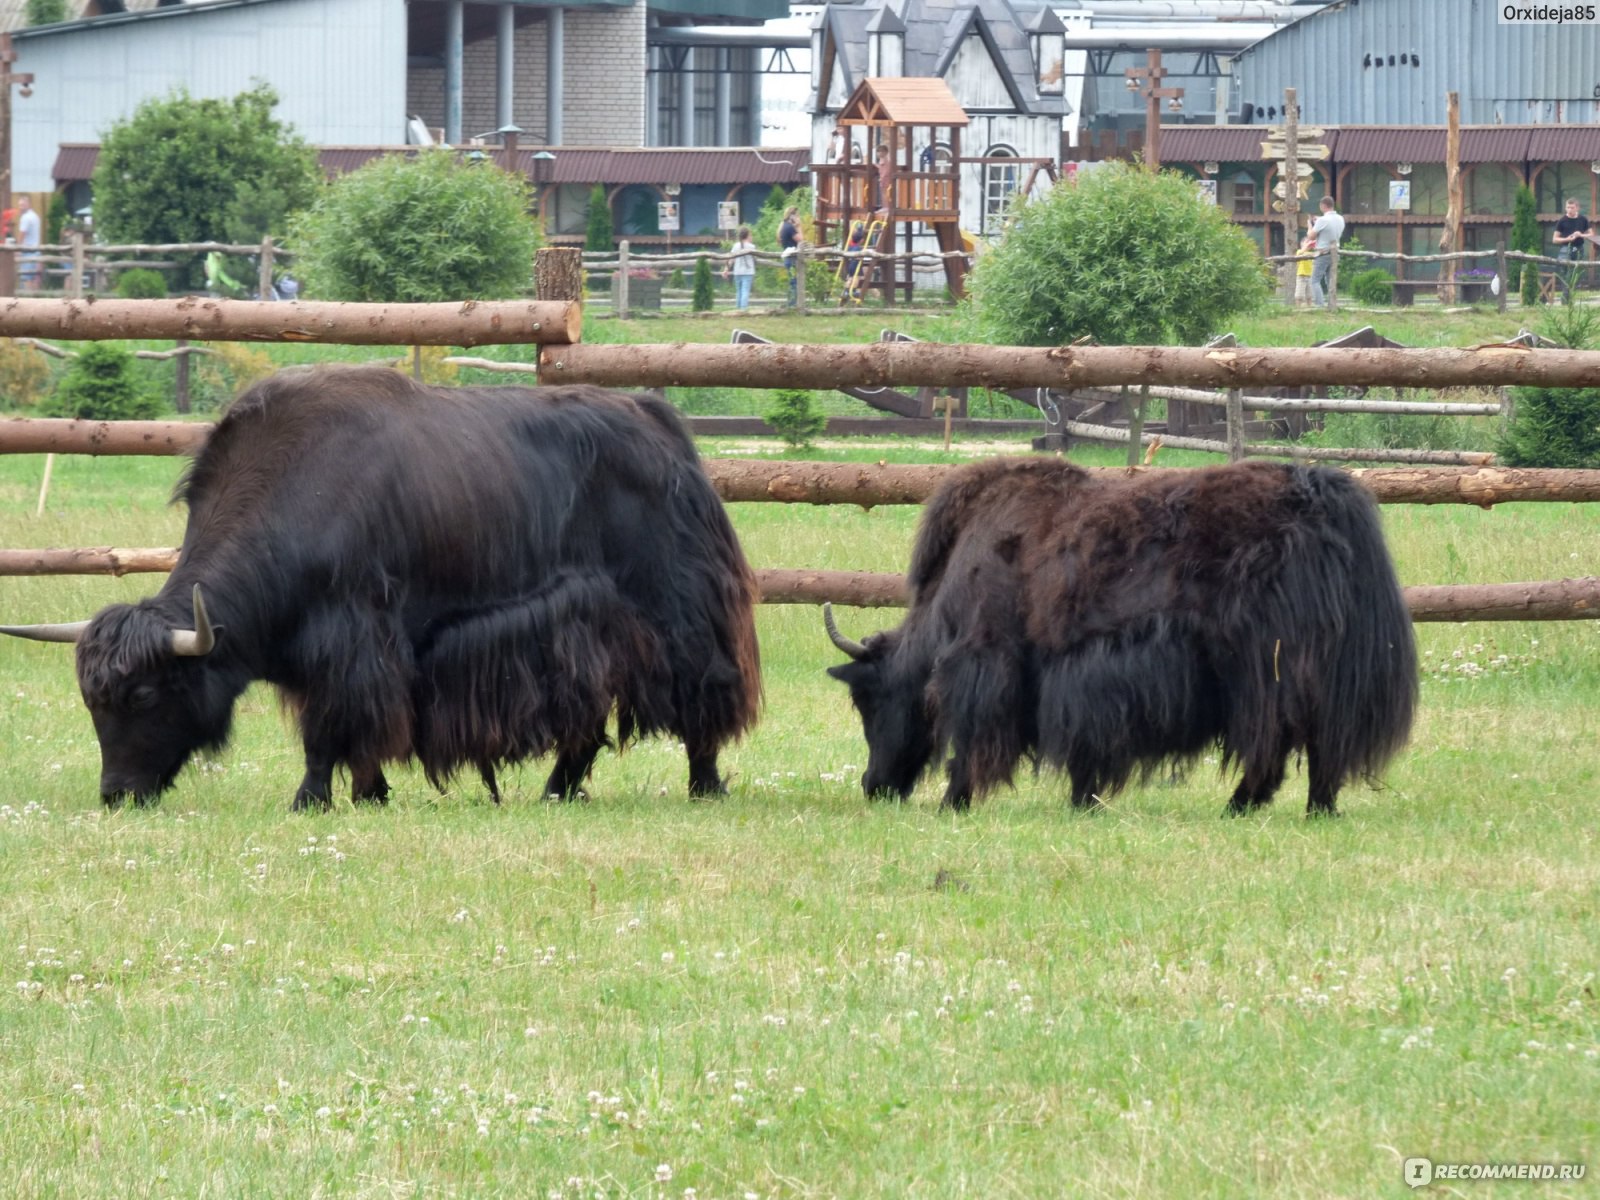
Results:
<point x="202" y="318"/>
<point x="1545" y="600"/>
<point x="871" y="484"/>
<point x="1115" y="435"/>
<point x="930" y="364"/>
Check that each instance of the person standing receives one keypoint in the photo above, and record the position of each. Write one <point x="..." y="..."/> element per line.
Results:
<point x="885" y="157"/>
<point x="28" y="230"/>
<point x="1571" y="231"/>
<point x="789" y="244"/>
<point x="1327" y="229"/>
<point x="1302" y="270"/>
<point x="743" y="268"/>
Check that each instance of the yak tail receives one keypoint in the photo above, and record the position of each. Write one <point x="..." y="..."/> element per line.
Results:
<point x="1369" y="690"/>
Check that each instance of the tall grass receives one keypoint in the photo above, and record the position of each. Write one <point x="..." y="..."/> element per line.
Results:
<point x="792" y="992"/>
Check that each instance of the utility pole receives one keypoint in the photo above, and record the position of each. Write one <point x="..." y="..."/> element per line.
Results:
<point x="1146" y="81"/>
<point x="8" y="261"/>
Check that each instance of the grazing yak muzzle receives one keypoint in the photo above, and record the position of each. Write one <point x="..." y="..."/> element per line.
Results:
<point x="128" y="684"/>
<point x="899" y="741"/>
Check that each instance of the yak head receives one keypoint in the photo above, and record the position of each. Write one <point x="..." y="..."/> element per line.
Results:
<point x="149" y="690"/>
<point x="894" y="716"/>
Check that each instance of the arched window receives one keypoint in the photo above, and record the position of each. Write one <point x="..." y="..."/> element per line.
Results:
<point x="1000" y="180"/>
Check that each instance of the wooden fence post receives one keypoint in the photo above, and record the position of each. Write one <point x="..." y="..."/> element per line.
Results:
<point x="1500" y="276"/>
<point x="180" y="386"/>
<point x="800" y="278"/>
<point x="619" y="292"/>
<point x="75" y="267"/>
<point x="1333" y="278"/>
<point x="1235" y="419"/>
<point x="558" y="273"/>
<point x="264" y="276"/>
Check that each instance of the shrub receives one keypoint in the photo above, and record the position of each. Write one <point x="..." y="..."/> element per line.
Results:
<point x="189" y="169"/>
<point x="1372" y="287"/>
<point x="56" y="216"/>
<point x="598" y="237"/>
<point x="794" y="418"/>
<point x="1525" y="236"/>
<point x="46" y="12"/>
<point x="413" y="230"/>
<point x="1124" y="256"/>
<point x="1554" y="427"/>
<point x="102" y="384"/>
<point x="141" y="283"/>
<point x="24" y="375"/>
<point x="705" y="288"/>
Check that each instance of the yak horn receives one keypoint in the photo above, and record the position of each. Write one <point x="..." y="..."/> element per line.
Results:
<point x="853" y="648"/>
<point x="193" y="643"/>
<point x="47" y="633"/>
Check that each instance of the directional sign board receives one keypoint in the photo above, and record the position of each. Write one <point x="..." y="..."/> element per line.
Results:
<point x="1278" y="189"/>
<point x="1306" y="133"/>
<point x="1305" y="151"/>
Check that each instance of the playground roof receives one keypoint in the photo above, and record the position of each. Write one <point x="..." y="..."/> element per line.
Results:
<point x="902" y="101"/>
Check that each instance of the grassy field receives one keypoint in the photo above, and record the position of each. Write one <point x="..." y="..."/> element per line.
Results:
<point x="790" y="992"/>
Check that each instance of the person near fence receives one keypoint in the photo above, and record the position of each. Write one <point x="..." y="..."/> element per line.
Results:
<point x="850" y="267"/>
<point x="885" y="159"/>
<point x="28" y="230"/>
<point x="1327" y="229"/>
<point x="742" y="260"/>
<point x="789" y="243"/>
<point x="1302" y="271"/>
<point x="1572" y="230"/>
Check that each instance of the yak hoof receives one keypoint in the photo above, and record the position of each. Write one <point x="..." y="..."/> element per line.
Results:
<point x="307" y="800"/>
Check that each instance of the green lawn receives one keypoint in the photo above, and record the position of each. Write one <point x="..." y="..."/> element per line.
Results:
<point x="791" y="992"/>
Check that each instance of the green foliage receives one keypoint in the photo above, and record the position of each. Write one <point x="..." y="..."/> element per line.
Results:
<point x="102" y="384"/>
<point x="1554" y="427"/>
<point x="1525" y="235"/>
<point x="1530" y="285"/>
<point x="183" y="169"/>
<point x="1123" y="256"/>
<point x="1558" y="427"/>
<point x="705" y="290"/>
<point x="56" y="215"/>
<point x="599" y="236"/>
<point x="24" y="375"/>
<point x="46" y="12"/>
<point x="1351" y="267"/>
<point x="141" y="283"/>
<point x="794" y="418"/>
<point x="413" y="230"/>
<point x="1371" y="287"/>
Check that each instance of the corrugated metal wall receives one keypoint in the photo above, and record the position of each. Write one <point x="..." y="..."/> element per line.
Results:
<point x="338" y="65"/>
<point x="1390" y="62"/>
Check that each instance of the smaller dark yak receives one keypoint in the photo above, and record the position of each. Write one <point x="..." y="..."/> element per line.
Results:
<point x="469" y="576"/>
<point x="1114" y="624"/>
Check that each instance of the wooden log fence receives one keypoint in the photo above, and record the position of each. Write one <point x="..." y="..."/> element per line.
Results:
<point x="201" y="318"/>
<point x="1001" y="368"/>
<point x="1547" y="600"/>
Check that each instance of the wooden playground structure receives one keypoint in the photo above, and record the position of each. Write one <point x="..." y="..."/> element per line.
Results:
<point x="920" y="123"/>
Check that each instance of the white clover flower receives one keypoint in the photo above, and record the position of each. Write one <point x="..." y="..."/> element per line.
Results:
<point x="664" y="1173"/>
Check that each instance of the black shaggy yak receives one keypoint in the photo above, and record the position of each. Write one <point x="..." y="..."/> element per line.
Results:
<point x="1110" y="624"/>
<point x="469" y="576"/>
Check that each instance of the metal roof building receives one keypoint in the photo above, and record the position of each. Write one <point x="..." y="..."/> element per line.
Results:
<point x="1391" y="62"/>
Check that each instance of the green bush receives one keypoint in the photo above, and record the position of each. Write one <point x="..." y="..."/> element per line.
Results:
<point x="56" y="215"/>
<point x="1554" y="427"/>
<point x="1125" y="255"/>
<point x="187" y="169"/>
<point x="414" y="230"/>
<point x="1525" y="236"/>
<point x="705" y="288"/>
<point x="102" y="384"/>
<point x="794" y="418"/>
<point x="141" y="283"/>
<point x="1372" y="287"/>
<point x="46" y="12"/>
<point x="598" y="237"/>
